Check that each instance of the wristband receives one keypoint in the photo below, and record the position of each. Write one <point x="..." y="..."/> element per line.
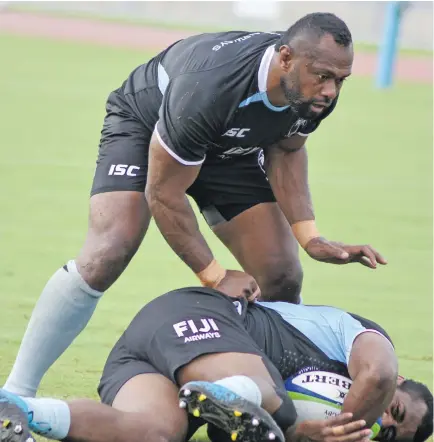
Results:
<point x="304" y="231"/>
<point x="376" y="428"/>
<point x="212" y="275"/>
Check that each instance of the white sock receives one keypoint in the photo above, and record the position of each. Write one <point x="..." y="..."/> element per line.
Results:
<point x="52" y="416"/>
<point x="243" y="386"/>
<point x="61" y="313"/>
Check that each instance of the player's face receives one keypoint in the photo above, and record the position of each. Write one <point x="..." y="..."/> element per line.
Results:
<point x="315" y="79"/>
<point x="402" y="418"/>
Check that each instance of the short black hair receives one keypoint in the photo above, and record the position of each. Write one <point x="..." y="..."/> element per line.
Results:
<point x="419" y="391"/>
<point x="317" y="25"/>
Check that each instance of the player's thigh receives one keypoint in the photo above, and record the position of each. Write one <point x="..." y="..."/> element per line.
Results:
<point x="119" y="215"/>
<point x="156" y="398"/>
<point x="261" y="239"/>
<point x="237" y="202"/>
<point x="133" y="385"/>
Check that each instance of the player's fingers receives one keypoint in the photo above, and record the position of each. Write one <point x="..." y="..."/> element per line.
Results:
<point x="255" y="295"/>
<point x="357" y="436"/>
<point x="343" y="428"/>
<point x="254" y="291"/>
<point x="370" y="255"/>
<point x="381" y="259"/>
<point x="364" y="260"/>
<point x="357" y="426"/>
<point x="340" y="419"/>
<point x="335" y="252"/>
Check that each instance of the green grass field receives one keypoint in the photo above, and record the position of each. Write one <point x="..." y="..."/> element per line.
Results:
<point x="370" y="174"/>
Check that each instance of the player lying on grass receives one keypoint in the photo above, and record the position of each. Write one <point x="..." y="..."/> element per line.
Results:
<point x="231" y="360"/>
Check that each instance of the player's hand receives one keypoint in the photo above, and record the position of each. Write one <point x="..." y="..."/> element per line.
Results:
<point x="239" y="285"/>
<point x="337" y="253"/>
<point x="340" y="428"/>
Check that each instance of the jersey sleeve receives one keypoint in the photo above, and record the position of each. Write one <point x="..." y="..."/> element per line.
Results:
<point x="349" y="329"/>
<point x="312" y="125"/>
<point x="189" y="118"/>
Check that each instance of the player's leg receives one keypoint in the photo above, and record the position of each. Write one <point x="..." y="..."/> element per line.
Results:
<point x="238" y="204"/>
<point x="199" y="336"/>
<point x="261" y="240"/>
<point x="118" y="220"/>
<point x="236" y="393"/>
<point x="145" y="409"/>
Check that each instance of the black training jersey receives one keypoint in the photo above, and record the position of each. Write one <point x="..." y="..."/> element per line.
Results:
<point x="298" y="337"/>
<point x="213" y="97"/>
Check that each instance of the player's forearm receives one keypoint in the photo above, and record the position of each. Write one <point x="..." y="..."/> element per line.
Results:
<point x="369" y="395"/>
<point x="177" y="222"/>
<point x="288" y="176"/>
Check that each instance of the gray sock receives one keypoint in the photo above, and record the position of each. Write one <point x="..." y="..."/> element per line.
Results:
<point x="243" y="386"/>
<point x="52" y="417"/>
<point x="61" y="313"/>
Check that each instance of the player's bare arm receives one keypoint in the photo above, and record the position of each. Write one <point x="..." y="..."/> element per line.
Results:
<point x="287" y="168"/>
<point x="168" y="181"/>
<point x="165" y="191"/>
<point x="286" y="164"/>
<point x="341" y="428"/>
<point x="373" y="367"/>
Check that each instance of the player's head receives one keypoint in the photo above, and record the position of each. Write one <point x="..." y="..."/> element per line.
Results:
<point x="315" y="57"/>
<point x="409" y="417"/>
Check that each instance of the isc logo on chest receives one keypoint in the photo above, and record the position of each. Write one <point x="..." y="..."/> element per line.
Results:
<point x="197" y="330"/>
<point x="236" y="132"/>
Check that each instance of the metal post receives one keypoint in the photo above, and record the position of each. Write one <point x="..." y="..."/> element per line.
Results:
<point x="389" y="47"/>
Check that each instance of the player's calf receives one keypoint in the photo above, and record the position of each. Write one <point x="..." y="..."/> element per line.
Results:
<point x="78" y="421"/>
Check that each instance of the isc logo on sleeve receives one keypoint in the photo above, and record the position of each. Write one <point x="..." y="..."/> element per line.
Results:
<point x="123" y="169"/>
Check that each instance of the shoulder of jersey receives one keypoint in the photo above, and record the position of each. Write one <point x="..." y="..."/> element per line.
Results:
<point x="214" y="50"/>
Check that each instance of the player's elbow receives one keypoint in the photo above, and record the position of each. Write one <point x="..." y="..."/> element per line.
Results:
<point x="150" y="194"/>
<point x="162" y="198"/>
<point x="155" y="196"/>
<point x="383" y="377"/>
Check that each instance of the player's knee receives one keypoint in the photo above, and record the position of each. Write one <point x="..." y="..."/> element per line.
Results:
<point x="105" y="256"/>
<point x="282" y="284"/>
<point x="117" y="225"/>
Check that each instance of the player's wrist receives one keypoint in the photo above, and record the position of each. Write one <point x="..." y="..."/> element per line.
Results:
<point x="212" y="275"/>
<point x="305" y="231"/>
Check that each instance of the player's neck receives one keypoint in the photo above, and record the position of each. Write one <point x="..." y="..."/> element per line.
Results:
<point x="274" y="90"/>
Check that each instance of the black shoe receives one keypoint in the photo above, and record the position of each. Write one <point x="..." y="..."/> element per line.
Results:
<point x="13" y="424"/>
<point x="217" y="435"/>
<point x="242" y="420"/>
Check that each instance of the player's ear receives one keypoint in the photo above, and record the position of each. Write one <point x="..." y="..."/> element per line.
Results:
<point x="401" y="379"/>
<point x="285" y="58"/>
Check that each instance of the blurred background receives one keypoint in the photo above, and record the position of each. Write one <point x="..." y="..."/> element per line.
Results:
<point x="370" y="165"/>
